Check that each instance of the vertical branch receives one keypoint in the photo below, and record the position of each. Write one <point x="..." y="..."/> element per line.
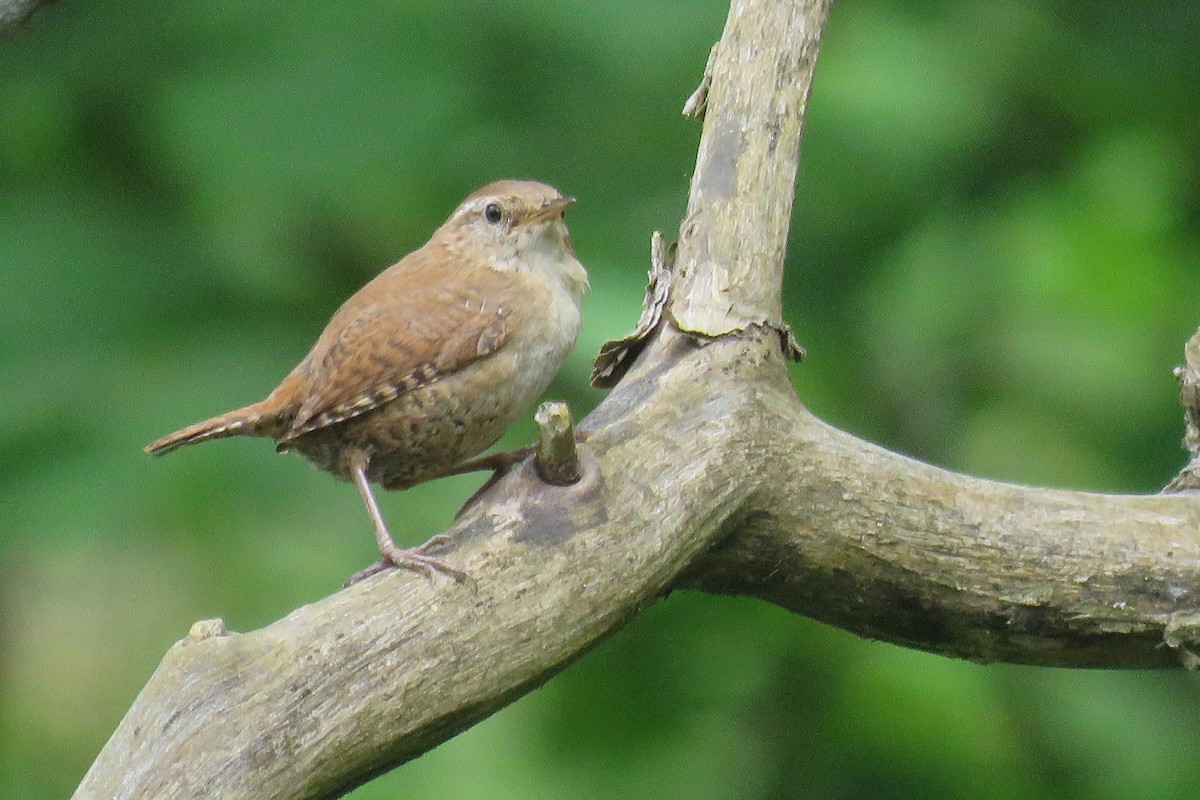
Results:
<point x="734" y="238"/>
<point x="1189" y="395"/>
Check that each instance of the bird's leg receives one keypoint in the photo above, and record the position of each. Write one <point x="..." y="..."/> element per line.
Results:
<point x="412" y="559"/>
<point x="499" y="463"/>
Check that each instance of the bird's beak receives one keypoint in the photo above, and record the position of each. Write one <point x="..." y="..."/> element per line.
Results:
<point x="549" y="210"/>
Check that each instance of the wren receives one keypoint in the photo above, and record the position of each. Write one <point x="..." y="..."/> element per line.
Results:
<point x="431" y="361"/>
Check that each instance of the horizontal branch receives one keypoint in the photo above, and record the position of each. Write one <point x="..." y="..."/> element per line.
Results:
<point x="894" y="549"/>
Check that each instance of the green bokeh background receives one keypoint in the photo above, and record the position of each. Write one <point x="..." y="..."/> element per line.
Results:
<point x="995" y="262"/>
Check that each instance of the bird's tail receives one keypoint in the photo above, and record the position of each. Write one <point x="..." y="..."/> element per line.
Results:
<point x="248" y="421"/>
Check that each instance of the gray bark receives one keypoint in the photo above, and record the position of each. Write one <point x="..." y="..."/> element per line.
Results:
<point x="13" y="13"/>
<point x="701" y="469"/>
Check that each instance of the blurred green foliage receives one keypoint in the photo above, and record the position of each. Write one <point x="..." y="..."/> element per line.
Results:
<point x="995" y="263"/>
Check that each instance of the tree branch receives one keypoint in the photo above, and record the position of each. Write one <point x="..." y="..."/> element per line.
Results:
<point x="14" y="13"/>
<point x="733" y="241"/>
<point x="1189" y="395"/>
<point x="894" y="549"/>
<point x="700" y="469"/>
<point x="378" y="673"/>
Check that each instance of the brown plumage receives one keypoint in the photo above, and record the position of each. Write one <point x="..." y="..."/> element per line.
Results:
<point x="434" y="358"/>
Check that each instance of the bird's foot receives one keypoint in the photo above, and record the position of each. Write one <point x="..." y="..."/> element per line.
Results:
<point x="413" y="559"/>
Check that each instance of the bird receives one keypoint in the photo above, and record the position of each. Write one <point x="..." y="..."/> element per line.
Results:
<point x="432" y="360"/>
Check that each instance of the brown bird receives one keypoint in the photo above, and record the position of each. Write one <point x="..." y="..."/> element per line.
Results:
<point x="432" y="360"/>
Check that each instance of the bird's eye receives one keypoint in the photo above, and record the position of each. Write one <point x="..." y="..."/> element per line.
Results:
<point x="492" y="213"/>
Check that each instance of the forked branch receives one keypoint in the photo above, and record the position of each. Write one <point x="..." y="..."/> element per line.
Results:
<point x="700" y="469"/>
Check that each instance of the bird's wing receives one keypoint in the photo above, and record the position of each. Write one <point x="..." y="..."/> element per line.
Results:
<point x="414" y="333"/>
